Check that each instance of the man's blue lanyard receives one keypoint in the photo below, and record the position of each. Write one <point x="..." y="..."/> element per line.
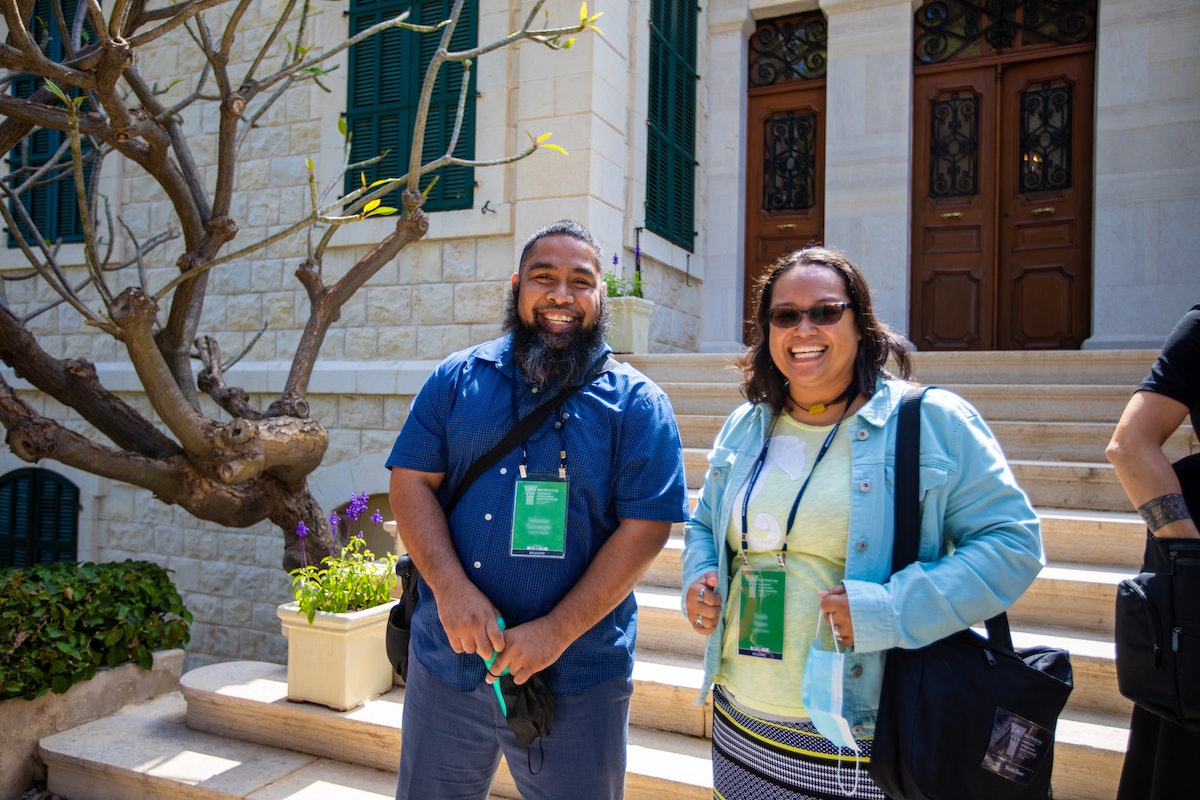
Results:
<point x="758" y="465"/>
<point x="559" y="420"/>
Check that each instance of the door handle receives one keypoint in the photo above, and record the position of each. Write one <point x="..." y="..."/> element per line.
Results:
<point x="786" y="226"/>
<point x="1037" y="212"/>
<point x="952" y="215"/>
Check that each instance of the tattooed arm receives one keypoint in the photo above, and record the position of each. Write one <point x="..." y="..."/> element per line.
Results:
<point x="1145" y="473"/>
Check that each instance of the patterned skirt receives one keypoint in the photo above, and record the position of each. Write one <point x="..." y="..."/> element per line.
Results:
<point x="760" y="759"/>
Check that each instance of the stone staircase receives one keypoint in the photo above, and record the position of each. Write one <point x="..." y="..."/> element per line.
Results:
<point x="230" y="732"/>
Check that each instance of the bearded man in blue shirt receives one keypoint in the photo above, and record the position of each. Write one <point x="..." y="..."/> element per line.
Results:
<point x="551" y="540"/>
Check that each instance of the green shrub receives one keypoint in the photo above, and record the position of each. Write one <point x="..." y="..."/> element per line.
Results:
<point x="61" y="622"/>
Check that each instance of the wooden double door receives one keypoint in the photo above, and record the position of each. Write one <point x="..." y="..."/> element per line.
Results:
<point x="1002" y="203"/>
<point x="785" y="177"/>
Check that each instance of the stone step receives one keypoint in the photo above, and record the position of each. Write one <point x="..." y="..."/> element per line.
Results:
<point x="1076" y="597"/>
<point x="1071" y="484"/>
<point x="1032" y="441"/>
<point x="1069" y="536"/>
<point x="1079" y="367"/>
<point x="1101" y="538"/>
<point x="232" y="733"/>
<point x="1051" y="484"/>
<point x="995" y="401"/>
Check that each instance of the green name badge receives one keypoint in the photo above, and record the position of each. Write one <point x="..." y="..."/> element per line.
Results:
<point x="760" y="615"/>
<point x="540" y="518"/>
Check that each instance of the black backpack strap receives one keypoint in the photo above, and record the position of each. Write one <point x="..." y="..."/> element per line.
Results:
<point x="908" y="512"/>
<point x="908" y="473"/>
<point x="524" y="428"/>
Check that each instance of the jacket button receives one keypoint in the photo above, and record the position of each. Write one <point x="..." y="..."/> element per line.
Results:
<point x="856" y="671"/>
<point x="864" y="486"/>
<point x="862" y="434"/>
<point x="861" y="546"/>
<point x="856" y="730"/>
<point x="716" y="473"/>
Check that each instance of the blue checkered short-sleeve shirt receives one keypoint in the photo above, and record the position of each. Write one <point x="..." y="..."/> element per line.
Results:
<point x="623" y="460"/>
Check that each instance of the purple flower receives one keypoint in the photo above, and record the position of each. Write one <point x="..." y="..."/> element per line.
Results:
<point x="616" y="259"/>
<point x="356" y="506"/>
<point x="302" y="531"/>
<point x="377" y="517"/>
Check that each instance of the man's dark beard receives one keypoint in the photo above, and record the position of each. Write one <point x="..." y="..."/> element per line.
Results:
<point x="545" y="357"/>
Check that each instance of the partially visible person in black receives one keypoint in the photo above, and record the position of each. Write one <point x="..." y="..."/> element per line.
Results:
<point x="1160" y="753"/>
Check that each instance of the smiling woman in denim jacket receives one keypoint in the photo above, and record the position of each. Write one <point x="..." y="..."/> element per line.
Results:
<point x="790" y="546"/>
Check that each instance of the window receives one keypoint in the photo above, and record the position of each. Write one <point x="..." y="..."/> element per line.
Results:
<point x="385" y="79"/>
<point x="52" y="203"/>
<point x="39" y="518"/>
<point x="671" y="148"/>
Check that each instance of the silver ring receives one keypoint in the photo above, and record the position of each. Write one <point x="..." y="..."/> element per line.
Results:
<point x="699" y="621"/>
<point x="700" y="596"/>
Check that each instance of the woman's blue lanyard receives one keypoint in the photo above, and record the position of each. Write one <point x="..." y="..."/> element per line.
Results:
<point x="559" y="419"/>
<point x="758" y="465"/>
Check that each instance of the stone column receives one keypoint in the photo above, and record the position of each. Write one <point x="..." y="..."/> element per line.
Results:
<point x="868" y="145"/>
<point x="1146" y="241"/>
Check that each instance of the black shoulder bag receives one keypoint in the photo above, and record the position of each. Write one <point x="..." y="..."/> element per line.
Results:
<point x="400" y="621"/>
<point x="965" y="716"/>
<point x="1157" y="624"/>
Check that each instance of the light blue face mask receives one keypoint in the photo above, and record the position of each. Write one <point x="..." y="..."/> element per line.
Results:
<point x="821" y="693"/>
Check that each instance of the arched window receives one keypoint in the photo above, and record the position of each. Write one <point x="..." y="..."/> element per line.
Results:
<point x="39" y="518"/>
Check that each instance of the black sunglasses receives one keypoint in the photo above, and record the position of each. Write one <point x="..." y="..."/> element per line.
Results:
<point x="824" y="314"/>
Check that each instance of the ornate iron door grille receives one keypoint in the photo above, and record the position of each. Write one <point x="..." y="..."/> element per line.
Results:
<point x="790" y="162"/>
<point x="1045" y="138"/>
<point x="789" y="49"/>
<point x="947" y="29"/>
<point x="954" y="146"/>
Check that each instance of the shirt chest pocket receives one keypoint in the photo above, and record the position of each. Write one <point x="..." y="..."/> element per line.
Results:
<point x="932" y="492"/>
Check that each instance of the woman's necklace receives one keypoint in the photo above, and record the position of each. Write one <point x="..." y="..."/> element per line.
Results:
<point x="819" y="408"/>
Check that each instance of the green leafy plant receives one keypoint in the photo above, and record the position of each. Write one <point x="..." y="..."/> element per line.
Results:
<point x="61" y="622"/>
<point x="623" y="287"/>
<point x="353" y="580"/>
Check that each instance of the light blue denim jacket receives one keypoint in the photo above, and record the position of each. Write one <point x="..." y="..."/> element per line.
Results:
<point x="980" y="544"/>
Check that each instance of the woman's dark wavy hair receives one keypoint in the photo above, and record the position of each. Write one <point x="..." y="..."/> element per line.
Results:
<point x="761" y="379"/>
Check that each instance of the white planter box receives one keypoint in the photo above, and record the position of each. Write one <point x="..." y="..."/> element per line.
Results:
<point x="339" y="660"/>
<point x="630" y="331"/>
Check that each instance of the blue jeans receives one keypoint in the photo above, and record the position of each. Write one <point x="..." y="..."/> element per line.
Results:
<point x="452" y="741"/>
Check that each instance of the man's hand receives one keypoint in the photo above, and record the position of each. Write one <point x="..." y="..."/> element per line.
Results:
<point x="528" y="648"/>
<point x="470" y="621"/>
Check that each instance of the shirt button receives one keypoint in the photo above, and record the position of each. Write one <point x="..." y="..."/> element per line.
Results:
<point x="488" y="517"/>
<point x="856" y="671"/>
<point x="864" y="486"/>
<point x="717" y="473"/>
<point x="504" y="470"/>
<point x="856" y="730"/>
<point x="861" y="546"/>
<point x="862" y="434"/>
<point x="535" y="390"/>
<point x="478" y="565"/>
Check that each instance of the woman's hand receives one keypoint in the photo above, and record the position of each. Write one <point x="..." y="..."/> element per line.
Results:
<point x="835" y="606"/>
<point x="704" y="604"/>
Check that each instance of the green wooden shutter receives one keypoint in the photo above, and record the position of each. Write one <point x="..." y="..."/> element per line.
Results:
<point x="670" y="147"/>
<point x="39" y="518"/>
<point x="52" y="205"/>
<point x="385" y="78"/>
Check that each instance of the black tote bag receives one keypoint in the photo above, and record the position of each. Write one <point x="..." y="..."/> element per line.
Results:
<point x="966" y="716"/>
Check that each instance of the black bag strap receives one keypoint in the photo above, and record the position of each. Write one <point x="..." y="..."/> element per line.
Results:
<point x="521" y="431"/>
<point x="908" y="512"/>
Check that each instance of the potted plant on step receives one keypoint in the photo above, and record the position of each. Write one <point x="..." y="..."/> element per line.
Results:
<point x="336" y="625"/>
<point x="630" y="332"/>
